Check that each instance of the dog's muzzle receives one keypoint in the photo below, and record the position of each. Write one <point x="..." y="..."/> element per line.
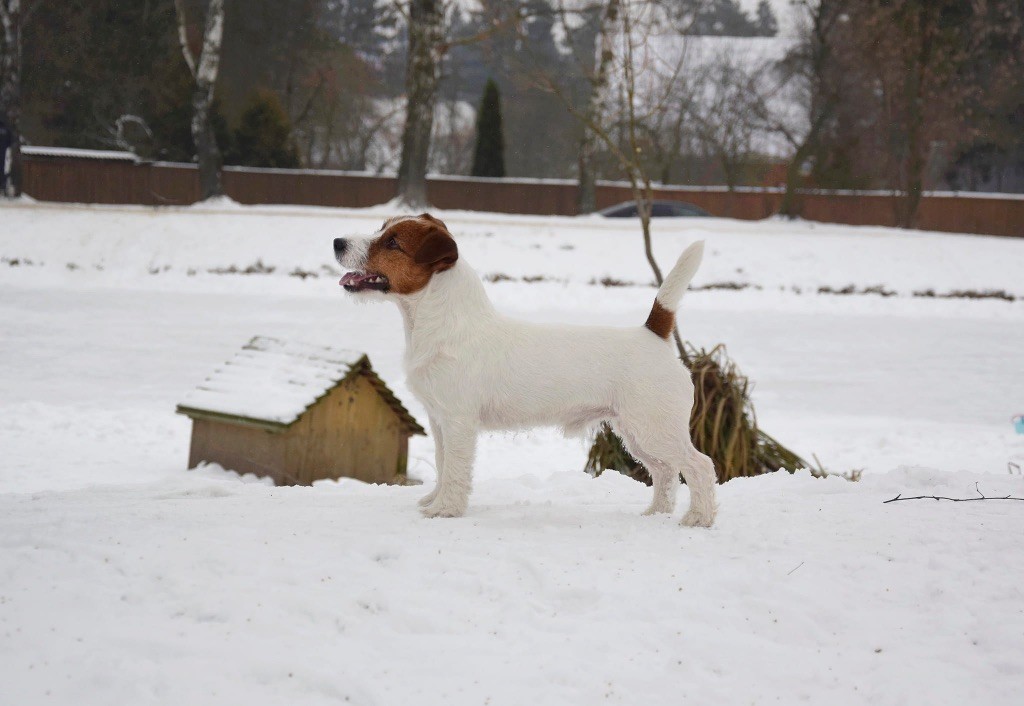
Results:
<point x="359" y="279"/>
<point x="340" y="246"/>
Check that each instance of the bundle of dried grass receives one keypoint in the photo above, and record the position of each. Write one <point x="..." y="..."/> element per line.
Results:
<point x="723" y="426"/>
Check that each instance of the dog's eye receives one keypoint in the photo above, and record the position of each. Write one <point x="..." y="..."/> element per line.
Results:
<point x="391" y="243"/>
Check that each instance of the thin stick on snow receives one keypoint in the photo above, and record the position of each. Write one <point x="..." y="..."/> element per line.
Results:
<point x="981" y="496"/>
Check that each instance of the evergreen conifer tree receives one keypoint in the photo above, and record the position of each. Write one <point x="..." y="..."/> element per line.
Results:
<point x="489" y="155"/>
<point x="767" y="25"/>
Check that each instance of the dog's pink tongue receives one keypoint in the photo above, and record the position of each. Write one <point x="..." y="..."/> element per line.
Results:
<point x="350" y="278"/>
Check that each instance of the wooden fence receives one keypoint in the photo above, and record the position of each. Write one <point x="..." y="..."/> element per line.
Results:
<point x="78" y="179"/>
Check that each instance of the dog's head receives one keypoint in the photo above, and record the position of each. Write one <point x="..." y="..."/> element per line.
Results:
<point x="400" y="258"/>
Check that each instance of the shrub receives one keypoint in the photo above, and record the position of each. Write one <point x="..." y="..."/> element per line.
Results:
<point x="722" y="425"/>
<point x="263" y="135"/>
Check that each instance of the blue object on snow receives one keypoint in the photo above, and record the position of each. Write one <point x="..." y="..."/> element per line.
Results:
<point x="1018" y="423"/>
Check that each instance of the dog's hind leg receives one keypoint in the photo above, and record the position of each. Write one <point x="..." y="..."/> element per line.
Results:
<point x="456" y="479"/>
<point x="699" y="473"/>
<point x="666" y="486"/>
<point x="435" y="432"/>
<point x="665" y="478"/>
<point x="669" y="446"/>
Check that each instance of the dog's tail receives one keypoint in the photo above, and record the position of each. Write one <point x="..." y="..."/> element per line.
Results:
<point x="663" y="314"/>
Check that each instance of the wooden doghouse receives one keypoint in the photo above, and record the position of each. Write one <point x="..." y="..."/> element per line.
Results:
<point x="299" y="413"/>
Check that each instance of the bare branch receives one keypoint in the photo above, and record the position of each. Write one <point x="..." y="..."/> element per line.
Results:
<point x="179" y="7"/>
<point x="120" y="139"/>
<point x="498" y="24"/>
<point x="981" y="496"/>
<point x="401" y="9"/>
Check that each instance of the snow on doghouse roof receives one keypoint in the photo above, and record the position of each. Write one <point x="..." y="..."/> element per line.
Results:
<point x="271" y="382"/>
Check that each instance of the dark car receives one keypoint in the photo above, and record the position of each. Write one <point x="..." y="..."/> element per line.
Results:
<point x="659" y="209"/>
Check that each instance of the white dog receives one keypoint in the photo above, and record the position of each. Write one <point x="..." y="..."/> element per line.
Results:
<point x="474" y="369"/>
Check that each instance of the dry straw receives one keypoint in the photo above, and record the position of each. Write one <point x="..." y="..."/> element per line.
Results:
<point x="723" y="426"/>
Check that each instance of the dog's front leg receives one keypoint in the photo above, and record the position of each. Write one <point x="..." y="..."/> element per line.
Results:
<point x="455" y="480"/>
<point x="435" y="431"/>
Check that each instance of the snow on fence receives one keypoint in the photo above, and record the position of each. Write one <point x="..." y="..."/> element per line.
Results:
<point x="110" y="178"/>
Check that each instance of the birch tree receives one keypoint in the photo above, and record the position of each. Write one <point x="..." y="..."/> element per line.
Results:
<point x="204" y="72"/>
<point x="586" y="192"/>
<point x="631" y="88"/>
<point x="422" y="76"/>
<point x="10" y="91"/>
<point x="428" y="27"/>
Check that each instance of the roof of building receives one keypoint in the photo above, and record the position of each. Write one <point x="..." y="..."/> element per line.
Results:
<point x="270" y="383"/>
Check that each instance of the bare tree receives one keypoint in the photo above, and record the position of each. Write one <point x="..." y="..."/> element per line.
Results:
<point x="593" y="34"/>
<point x="10" y="96"/>
<point x="723" y="424"/>
<point x="810" y="67"/>
<point x="586" y="193"/>
<point x="204" y="72"/>
<point x="637" y="56"/>
<point x="638" y="81"/>
<point x="919" y="50"/>
<point x="913" y="77"/>
<point x="338" y="122"/>
<point x="725" y="113"/>
<point x="427" y="23"/>
<point x="454" y="133"/>
<point x="423" y="73"/>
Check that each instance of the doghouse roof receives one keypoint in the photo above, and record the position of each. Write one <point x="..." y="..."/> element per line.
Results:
<point x="270" y="383"/>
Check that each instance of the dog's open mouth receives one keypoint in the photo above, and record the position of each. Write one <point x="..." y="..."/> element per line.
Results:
<point x="362" y="281"/>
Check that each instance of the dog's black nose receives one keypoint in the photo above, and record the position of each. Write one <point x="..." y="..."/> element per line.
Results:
<point x="339" y="246"/>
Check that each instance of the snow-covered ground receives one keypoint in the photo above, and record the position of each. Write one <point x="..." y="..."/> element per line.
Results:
<point x="124" y="578"/>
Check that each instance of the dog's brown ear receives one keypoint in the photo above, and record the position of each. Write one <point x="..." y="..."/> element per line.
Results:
<point x="435" y="221"/>
<point x="438" y="250"/>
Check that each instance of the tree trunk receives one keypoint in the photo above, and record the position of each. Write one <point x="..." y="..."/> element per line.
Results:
<point x="10" y="91"/>
<point x="205" y="74"/>
<point x="422" y="75"/>
<point x="916" y="70"/>
<point x="910" y="202"/>
<point x="586" y="190"/>
<point x="639" y="181"/>
<point x="586" y="193"/>
<point x="791" y="206"/>
<point x="915" y="160"/>
<point x="824" y="93"/>
<point x="730" y="171"/>
<point x="207" y="152"/>
<point x="643" y="193"/>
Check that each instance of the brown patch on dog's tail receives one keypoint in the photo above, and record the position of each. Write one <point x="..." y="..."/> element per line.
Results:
<point x="662" y="318"/>
<point x="661" y="321"/>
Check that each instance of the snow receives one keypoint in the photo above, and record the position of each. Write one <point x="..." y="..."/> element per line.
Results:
<point x="125" y="578"/>
<point x="41" y="151"/>
<point x="272" y="380"/>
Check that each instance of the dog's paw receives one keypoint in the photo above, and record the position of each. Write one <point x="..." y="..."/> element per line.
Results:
<point x="428" y="498"/>
<point x="694" y="518"/>
<point x="439" y="509"/>
<point x="661" y="505"/>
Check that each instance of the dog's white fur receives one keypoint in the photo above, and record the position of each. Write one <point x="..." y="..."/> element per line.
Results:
<point x="474" y="369"/>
